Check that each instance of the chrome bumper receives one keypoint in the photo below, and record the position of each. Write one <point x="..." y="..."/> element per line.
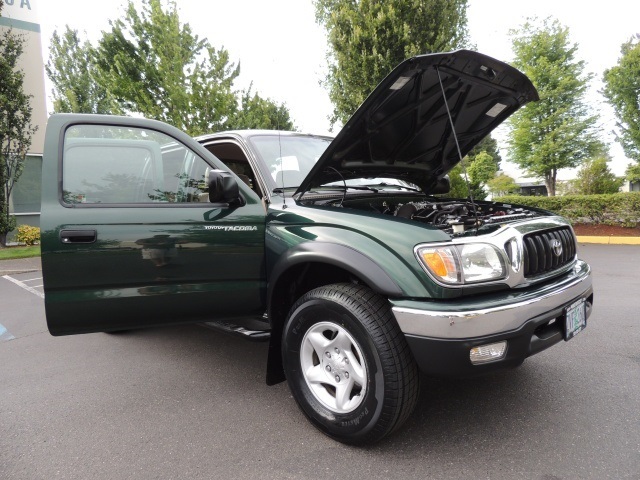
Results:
<point x="467" y="319"/>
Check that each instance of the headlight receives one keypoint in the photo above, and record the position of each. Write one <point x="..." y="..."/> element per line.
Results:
<point x="462" y="264"/>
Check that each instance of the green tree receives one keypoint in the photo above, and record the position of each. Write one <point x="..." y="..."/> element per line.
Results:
<point x="480" y="169"/>
<point x="483" y="168"/>
<point x="368" y="38"/>
<point x="15" y="124"/>
<point x="558" y="131"/>
<point x="257" y="112"/>
<point x="152" y="65"/>
<point x="71" y="71"/>
<point x="594" y="177"/>
<point x="633" y="172"/>
<point x="490" y="146"/>
<point x="622" y="90"/>
<point x="459" y="187"/>
<point x="487" y="152"/>
<point x="502" y="185"/>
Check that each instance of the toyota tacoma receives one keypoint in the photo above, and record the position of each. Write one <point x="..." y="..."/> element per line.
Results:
<point x="344" y="254"/>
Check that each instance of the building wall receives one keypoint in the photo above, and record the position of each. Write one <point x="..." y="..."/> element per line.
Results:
<point x="21" y="16"/>
<point x="628" y="186"/>
<point x="534" y="190"/>
<point x="25" y="197"/>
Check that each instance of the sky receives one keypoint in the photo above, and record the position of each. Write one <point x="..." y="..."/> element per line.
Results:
<point x="283" y="51"/>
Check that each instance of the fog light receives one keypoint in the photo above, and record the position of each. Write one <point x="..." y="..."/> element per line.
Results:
<point x="488" y="353"/>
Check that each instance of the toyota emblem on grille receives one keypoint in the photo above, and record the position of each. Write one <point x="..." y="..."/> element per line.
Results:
<point x="556" y="246"/>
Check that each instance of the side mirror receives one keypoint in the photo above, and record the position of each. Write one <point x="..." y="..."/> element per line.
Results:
<point x="223" y="188"/>
<point x="443" y="186"/>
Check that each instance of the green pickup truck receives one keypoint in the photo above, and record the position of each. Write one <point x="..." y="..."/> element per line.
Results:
<point x="343" y="253"/>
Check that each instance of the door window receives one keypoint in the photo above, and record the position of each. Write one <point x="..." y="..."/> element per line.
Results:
<point x="125" y="165"/>
<point x="233" y="157"/>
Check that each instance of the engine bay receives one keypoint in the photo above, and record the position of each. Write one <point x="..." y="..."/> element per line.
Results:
<point x="453" y="216"/>
<point x="456" y="217"/>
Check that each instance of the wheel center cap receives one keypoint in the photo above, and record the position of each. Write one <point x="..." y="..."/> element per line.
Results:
<point x="335" y="365"/>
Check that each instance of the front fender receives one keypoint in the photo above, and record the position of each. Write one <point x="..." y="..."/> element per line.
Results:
<point x="281" y="291"/>
<point x="377" y="252"/>
<point x="342" y="256"/>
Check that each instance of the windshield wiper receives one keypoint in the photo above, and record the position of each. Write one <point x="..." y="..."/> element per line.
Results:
<point x="350" y="187"/>
<point x="282" y="189"/>
<point x="393" y="185"/>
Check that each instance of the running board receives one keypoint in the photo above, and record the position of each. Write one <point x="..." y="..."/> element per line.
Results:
<point x="253" y="335"/>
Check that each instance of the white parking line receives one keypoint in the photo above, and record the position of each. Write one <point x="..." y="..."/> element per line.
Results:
<point x="32" y="279"/>
<point x="25" y="286"/>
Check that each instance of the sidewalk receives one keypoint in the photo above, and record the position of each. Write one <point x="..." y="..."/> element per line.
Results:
<point x="21" y="265"/>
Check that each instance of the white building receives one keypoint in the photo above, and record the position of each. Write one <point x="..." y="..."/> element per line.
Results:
<point x="21" y="17"/>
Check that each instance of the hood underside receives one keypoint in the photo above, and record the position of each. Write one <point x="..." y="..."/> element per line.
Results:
<point x="403" y="131"/>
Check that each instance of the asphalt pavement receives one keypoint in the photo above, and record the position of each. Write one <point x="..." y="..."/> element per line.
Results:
<point x="189" y="402"/>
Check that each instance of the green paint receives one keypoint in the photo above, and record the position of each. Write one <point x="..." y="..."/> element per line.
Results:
<point x="19" y="24"/>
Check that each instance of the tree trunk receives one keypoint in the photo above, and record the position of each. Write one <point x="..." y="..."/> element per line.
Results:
<point x="550" y="182"/>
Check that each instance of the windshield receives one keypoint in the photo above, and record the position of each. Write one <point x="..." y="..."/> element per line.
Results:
<point x="289" y="158"/>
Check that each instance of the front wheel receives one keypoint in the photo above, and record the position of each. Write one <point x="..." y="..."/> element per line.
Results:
<point x="348" y="364"/>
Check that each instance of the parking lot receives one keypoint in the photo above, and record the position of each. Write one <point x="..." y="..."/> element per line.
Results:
<point x="188" y="402"/>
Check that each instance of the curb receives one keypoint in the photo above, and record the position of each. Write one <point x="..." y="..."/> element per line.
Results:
<point x="16" y="272"/>
<point x="15" y="266"/>
<point x="609" y="240"/>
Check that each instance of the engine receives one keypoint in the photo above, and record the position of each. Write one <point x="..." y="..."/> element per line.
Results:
<point x="453" y="216"/>
<point x="456" y="217"/>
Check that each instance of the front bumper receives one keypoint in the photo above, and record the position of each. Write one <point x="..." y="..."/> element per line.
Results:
<point x="441" y="334"/>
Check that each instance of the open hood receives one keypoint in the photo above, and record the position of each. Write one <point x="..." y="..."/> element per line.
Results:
<point x="403" y="131"/>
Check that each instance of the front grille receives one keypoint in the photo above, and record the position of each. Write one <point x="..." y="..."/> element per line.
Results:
<point x="539" y="255"/>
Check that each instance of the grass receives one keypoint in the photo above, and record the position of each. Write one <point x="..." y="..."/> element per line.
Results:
<point x="11" y="253"/>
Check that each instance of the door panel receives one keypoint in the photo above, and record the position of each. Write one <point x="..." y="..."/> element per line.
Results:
<point x="129" y="236"/>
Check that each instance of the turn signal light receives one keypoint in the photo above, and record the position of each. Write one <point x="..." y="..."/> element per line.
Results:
<point x="440" y="264"/>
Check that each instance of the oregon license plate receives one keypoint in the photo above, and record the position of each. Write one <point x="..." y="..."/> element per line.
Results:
<point x="575" y="319"/>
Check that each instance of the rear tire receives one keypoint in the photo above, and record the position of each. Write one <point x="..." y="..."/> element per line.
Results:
<point x="348" y="364"/>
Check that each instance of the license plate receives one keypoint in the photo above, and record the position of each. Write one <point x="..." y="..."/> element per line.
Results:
<point x="575" y="319"/>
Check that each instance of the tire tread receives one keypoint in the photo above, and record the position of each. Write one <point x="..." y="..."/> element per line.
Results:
<point x="402" y="382"/>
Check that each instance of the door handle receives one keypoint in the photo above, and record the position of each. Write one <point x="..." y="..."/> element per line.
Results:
<point x="78" y="236"/>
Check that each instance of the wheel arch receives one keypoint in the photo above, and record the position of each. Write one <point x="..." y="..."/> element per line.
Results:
<point x="308" y="266"/>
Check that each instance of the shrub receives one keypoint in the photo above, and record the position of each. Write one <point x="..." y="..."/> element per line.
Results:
<point x="610" y="209"/>
<point x="28" y="235"/>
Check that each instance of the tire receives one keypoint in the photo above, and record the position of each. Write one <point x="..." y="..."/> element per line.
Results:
<point x="348" y="364"/>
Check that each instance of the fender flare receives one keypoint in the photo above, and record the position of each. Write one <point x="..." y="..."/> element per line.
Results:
<point x="338" y="255"/>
